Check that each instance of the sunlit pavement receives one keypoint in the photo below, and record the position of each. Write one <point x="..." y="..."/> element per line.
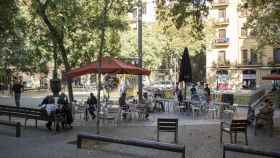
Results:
<point x="201" y="140"/>
<point x="200" y="136"/>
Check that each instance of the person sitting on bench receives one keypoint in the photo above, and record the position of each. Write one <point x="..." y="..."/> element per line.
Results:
<point x="50" y="108"/>
<point x="92" y="101"/>
<point x="65" y="110"/>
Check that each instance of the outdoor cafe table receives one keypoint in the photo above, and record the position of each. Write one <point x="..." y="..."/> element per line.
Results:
<point x="221" y="107"/>
<point x="240" y="115"/>
<point x="168" y="104"/>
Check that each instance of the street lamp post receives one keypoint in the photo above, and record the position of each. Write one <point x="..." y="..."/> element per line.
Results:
<point x="139" y="30"/>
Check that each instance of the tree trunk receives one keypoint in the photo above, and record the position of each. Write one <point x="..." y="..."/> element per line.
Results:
<point x="57" y="38"/>
<point x="102" y="42"/>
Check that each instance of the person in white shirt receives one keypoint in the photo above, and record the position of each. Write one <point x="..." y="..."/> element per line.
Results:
<point x="50" y="108"/>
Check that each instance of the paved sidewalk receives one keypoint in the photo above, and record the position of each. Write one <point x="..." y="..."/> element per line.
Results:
<point x="201" y="140"/>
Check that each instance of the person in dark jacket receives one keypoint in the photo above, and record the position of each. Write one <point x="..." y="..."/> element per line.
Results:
<point x="92" y="102"/>
<point x="17" y="89"/>
<point x="65" y="110"/>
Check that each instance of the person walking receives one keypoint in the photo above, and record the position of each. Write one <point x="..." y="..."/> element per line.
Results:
<point x="17" y="88"/>
<point x="147" y="104"/>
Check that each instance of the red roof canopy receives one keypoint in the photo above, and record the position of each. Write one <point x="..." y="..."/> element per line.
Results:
<point x="108" y="65"/>
<point x="271" y="77"/>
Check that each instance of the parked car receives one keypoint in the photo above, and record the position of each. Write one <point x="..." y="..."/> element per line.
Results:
<point x="160" y="85"/>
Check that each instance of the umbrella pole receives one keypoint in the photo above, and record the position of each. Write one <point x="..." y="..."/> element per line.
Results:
<point x="186" y="90"/>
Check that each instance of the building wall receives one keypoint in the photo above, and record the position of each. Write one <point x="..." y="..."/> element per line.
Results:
<point x="233" y="48"/>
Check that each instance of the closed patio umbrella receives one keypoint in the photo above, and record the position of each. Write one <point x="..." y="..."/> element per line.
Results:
<point x="185" y="69"/>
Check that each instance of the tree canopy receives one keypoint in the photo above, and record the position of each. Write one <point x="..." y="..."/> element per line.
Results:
<point x="264" y="20"/>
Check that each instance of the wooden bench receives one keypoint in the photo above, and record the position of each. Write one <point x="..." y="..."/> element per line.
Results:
<point x="133" y="142"/>
<point x="27" y="113"/>
<point x="235" y="127"/>
<point x="13" y="124"/>
<point x="167" y="125"/>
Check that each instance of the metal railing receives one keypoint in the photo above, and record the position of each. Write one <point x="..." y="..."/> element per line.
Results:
<point x="134" y="142"/>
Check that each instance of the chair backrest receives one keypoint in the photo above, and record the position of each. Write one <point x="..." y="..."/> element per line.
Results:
<point x="238" y="125"/>
<point x="167" y="124"/>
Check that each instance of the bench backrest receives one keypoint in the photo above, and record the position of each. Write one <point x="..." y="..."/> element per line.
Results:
<point x="20" y="110"/>
<point x="167" y="124"/>
<point x="238" y="125"/>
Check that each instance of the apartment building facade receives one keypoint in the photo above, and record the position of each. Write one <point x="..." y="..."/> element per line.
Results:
<point x="232" y="61"/>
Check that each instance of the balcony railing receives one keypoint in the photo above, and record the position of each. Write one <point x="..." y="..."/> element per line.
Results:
<point x="220" y="3"/>
<point x="225" y="63"/>
<point x="222" y="21"/>
<point x="273" y="63"/>
<point x="221" y="42"/>
<point x="251" y="63"/>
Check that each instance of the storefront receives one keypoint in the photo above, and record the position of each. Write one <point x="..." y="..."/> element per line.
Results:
<point x="249" y="79"/>
<point x="222" y="78"/>
<point x="275" y="83"/>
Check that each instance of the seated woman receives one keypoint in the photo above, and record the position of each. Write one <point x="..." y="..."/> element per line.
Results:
<point x="50" y="108"/>
<point x="65" y="110"/>
<point x="92" y="101"/>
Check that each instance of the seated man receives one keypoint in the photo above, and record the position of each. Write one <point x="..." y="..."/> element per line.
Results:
<point x="92" y="101"/>
<point x="50" y="108"/>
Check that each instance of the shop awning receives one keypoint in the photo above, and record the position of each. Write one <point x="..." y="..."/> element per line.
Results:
<point x="271" y="77"/>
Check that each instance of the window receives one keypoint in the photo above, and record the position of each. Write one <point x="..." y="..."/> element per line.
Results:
<point x="243" y="31"/>
<point x="276" y="55"/>
<point x="222" y="13"/>
<point x="222" y="57"/>
<point x="249" y="79"/>
<point x="254" y="57"/>
<point x="222" y="34"/>
<point x="222" y="79"/>
<point x="245" y="56"/>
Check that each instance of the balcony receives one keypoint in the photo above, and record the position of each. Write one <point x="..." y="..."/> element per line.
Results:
<point x="221" y="42"/>
<point x="221" y="64"/>
<point x="273" y="63"/>
<point x="250" y="64"/>
<point x="220" y="3"/>
<point x="222" y="21"/>
<point x="224" y="63"/>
